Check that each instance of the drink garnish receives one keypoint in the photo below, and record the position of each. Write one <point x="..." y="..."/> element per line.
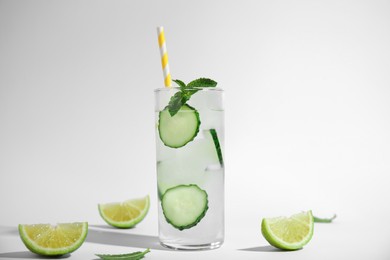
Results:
<point x="125" y="214"/>
<point x="53" y="240"/>
<point x="186" y="91"/>
<point x="289" y="233"/>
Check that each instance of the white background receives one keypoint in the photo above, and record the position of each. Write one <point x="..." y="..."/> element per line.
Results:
<point x="307" y="89"/>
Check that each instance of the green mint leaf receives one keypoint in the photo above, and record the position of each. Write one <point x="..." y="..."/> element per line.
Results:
<point x="176" y="102"/>
<point x="131" y="256"/>
<point x="186" y="91"/>
<point x="181" y="84"/>
<point x="202" y="83"/>
<point x="324" y="220"/>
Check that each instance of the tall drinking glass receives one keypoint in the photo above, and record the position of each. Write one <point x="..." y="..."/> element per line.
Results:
<point x="190" y="169"/>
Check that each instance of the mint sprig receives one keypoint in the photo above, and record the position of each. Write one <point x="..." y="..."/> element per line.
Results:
<point x="132" y="256"/>
<point x="186" y="91"/>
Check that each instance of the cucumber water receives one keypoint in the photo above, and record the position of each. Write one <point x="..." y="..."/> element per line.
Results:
<point x="190" y="169"/>
<point x="193" y="162"/>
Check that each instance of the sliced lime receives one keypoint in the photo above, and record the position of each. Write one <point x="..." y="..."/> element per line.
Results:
<point x="125" y="214"/>
<point x="53" y="240"/>
<point x="289" y="233"/>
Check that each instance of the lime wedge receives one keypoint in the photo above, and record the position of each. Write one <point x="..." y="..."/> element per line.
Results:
<point x="289" y="233"/>
<point x="125" y="214"/>
<point x="53" y="240"/>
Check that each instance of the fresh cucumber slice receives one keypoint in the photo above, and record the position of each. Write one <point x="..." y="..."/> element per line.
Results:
<point x="178" y="130"/>
<point x="184" y="206"/>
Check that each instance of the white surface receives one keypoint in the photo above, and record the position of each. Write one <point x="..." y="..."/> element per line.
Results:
<point x="340" y="240"/>
<point x="307" y="115"/>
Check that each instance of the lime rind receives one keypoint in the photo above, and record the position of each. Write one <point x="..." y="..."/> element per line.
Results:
<point x="126" y="224"/>
<point x="278" y="242"/>
<point x="40" y="250"/>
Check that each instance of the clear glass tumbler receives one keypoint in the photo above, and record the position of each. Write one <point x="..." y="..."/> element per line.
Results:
<point x="190" y="169"/>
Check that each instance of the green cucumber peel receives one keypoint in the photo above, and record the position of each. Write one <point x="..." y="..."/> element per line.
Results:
<point x="324" y="220"/>
<point x="214" y="134"/>
<point x="164" y="117"/>
<point x="131" y="256"/>
<point x="198" y="218"/>
<point x="186" y="91"/>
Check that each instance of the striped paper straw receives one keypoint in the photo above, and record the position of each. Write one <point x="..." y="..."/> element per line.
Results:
<point x="164" y="56"/>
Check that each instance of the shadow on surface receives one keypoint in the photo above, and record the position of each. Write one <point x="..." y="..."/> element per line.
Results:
<point x="105" y="226"/>
<point x="9" y="230"/>
<point x="28" y="254"/>
<point x="123" y="239"/>
<point x="262" y="249"/>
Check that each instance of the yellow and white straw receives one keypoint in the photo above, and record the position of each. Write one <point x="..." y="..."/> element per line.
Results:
<point x="164" y="56"/>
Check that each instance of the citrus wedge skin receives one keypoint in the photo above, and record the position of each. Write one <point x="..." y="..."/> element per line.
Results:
<point x="125" y="214"/>
<point x="291" y="233"/>
<point x="49" y="240"/>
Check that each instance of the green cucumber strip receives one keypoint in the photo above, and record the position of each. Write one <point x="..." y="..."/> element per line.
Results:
<point x="132" y="256"/>
<point x="184" y="206"/>
<point x="178" y="130"/>
<point x="213" y="133"/>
